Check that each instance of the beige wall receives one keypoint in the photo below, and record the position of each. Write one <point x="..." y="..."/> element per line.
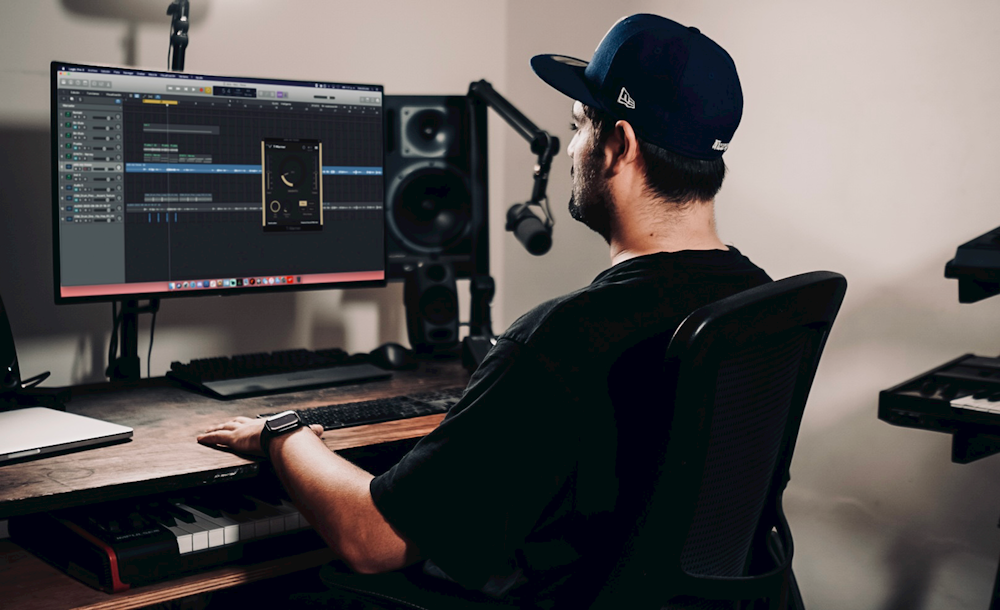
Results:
<point x="866" y="148"/>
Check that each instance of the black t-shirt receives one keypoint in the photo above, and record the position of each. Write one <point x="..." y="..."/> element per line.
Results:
<point x="516" y="492"/>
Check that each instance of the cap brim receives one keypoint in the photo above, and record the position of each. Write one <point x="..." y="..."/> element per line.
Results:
<point x="566" y="75"/>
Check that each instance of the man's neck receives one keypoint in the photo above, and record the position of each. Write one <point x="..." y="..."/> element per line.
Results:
<point x="691" y="227"/>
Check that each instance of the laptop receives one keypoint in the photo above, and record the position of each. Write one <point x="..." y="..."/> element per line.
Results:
<point x="36" y="431"/>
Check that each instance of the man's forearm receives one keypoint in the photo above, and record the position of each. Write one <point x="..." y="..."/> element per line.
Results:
<point x="333" y="495"/>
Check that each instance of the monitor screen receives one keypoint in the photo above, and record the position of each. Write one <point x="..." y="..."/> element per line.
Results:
<point x="175" y="184"/>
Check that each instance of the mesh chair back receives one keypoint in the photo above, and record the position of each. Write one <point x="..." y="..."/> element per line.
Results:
<point x="742" y="368"/>
<point x="753" y="396"/>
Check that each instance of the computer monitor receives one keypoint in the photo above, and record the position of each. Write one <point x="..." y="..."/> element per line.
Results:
<point x="175" y="184"/>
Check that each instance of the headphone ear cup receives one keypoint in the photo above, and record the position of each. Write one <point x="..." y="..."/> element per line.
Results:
<point x="10" y="375"/>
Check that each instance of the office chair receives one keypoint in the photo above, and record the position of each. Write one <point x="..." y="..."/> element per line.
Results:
<point x="703" y="527"/>
<point x="710" y="525"/>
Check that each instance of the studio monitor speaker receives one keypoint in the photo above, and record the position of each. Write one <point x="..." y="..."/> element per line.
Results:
<point x="431" y="300"/>
<point x="436" y="184"/>
<point x="10" y="375"/>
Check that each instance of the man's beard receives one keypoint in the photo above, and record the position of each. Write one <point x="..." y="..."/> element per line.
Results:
<point x="590" y="201"/>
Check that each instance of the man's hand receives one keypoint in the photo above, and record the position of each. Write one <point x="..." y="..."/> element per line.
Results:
<point x="241" y="434"/>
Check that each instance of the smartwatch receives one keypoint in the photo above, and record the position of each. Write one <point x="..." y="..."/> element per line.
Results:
<point x="275" y="425"/>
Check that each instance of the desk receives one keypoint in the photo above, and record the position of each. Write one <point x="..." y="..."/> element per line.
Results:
<point x="163" y="456"/>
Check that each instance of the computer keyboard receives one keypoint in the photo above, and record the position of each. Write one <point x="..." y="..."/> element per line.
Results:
<point x="273" y="372"/>
<point x="379" y="410"/>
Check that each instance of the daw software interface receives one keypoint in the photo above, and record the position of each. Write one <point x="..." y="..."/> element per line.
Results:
<point x="172" y="183"/>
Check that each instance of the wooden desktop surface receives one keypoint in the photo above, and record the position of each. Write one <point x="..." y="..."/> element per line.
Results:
<point x="163" y="456"/>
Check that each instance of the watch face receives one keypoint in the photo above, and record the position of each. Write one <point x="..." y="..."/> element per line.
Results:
<point x="281" y="421"/>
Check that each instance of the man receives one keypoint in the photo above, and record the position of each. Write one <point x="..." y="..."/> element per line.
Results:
<point x="523" y="492"/>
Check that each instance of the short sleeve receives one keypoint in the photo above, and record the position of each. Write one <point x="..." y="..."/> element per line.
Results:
<point x="469" y="493"/>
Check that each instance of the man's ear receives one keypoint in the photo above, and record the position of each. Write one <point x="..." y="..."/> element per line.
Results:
<point x="621" y="148"/>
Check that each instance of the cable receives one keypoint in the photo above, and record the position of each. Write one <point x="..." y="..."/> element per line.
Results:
<point x="550" y="220"/>
<point x="33" y="381"/>
<point x="116" y="320"/>
<point x="149" y="354"/>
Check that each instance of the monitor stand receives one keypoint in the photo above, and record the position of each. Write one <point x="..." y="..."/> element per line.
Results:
<point x="126" y="366"/>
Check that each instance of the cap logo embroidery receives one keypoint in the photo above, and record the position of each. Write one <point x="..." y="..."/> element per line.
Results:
<point x="720" y="145"/>
<point x="626" y="100"/>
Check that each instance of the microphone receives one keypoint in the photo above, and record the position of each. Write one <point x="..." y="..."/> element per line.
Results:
<point x="528" y="228"/>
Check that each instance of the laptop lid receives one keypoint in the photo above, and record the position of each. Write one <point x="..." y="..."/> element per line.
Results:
<point x="36" y="431"/>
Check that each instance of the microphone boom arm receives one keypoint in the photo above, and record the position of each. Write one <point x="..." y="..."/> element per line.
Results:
<point x="543" y="144"/>
<point x="179" y="24"/>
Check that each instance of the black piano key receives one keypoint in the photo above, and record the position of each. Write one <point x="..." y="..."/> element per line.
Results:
<point x="180" y="515"/>
<point x="199" y="503"/>
<point x="949" y="392"/>
<point x="156" y="511"/>
<point x="183" y="538"/>
<point x="100" y="524"/>
<point x="230" y="501"/>
<point x="269" y="495"/>
<point x="136" y="521"/>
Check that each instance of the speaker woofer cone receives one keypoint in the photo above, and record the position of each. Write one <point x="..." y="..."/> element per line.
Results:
<point x="438" y="305"/>
<point x="430" y="207"/>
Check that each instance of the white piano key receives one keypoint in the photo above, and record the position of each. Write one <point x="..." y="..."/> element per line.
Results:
<point x="287" y="518"/>
<point x="185" y="540"/>
<point x="230" y="527"/>
<point x="199" y="535"/>
<point x="267" y="519"/>
<point x="293" y="518"/>
<point x="216" y="533"/>
<point x="246" y="523"/>
<point x="976" y="404"/>
<point x="254" y="523"/>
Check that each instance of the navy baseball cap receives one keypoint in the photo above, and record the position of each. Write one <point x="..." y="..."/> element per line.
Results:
<point x="677" y="88"/>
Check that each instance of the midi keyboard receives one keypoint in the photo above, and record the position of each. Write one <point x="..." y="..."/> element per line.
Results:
<point x="113" y="546"/>
<point x="961" y="397"/>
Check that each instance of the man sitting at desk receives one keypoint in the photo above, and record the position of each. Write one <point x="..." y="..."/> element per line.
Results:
<point x="518" y="493"/>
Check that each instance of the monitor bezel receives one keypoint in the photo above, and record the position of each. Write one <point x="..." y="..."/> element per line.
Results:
<point x="56" y="66"/>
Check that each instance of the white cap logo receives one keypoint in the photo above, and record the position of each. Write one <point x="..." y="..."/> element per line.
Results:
<point x="720" y="145"/>
<point x="626" y="100"/>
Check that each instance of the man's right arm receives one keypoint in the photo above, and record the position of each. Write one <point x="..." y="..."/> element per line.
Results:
<point x="333" y="495"/>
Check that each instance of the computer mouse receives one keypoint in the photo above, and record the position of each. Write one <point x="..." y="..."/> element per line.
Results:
<point x="393" y="356"/>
